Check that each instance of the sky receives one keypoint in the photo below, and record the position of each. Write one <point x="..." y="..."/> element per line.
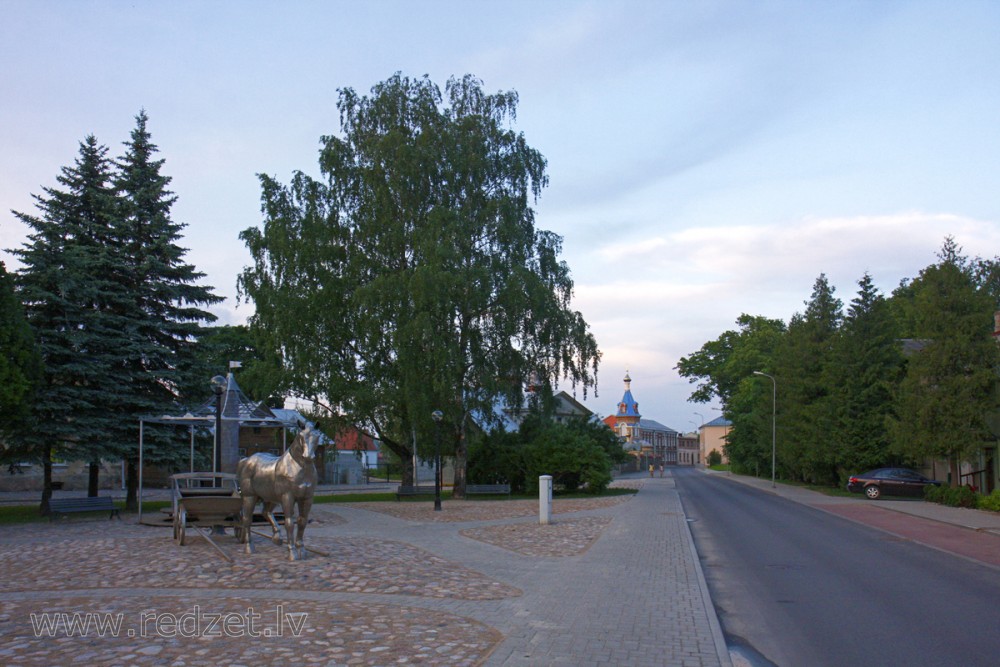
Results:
<point x="705" y="158"/>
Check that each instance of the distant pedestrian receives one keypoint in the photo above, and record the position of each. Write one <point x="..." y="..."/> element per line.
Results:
<point x="661" y="470"/>
<point x="650" y="469"/>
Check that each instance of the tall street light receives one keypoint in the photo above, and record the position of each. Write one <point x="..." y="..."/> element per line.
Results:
<point x="437" y="415"/>
<point x="219" y="385"/>
<point x="774" y="413"/>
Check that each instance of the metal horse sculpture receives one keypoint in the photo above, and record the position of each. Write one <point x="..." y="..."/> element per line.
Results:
<point x="288" y="480"/>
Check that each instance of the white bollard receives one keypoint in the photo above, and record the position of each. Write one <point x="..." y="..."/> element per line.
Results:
<point x="545" y="499"/>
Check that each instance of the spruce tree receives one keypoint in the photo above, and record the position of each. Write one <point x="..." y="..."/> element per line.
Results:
<point x="164" y="306"/>
<point x="805" y="409"/>
<point x="73" y="301"/>
<point x="869" y="362"/>
<point x="944" y="402"/>
<point x="20" y="369"/>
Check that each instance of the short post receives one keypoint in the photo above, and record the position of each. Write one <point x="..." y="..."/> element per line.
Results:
<point x="545" y="499"/>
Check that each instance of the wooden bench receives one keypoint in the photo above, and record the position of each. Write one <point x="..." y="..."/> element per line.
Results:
<point x="59" y="506"/>
<point x="406" y="490"/>
<point x="487" y="489"/>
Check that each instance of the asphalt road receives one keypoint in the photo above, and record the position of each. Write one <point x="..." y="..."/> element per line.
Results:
<point x="798" y="587"/>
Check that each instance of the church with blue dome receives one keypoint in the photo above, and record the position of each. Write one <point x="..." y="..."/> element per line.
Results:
<point x="647" y="439"/>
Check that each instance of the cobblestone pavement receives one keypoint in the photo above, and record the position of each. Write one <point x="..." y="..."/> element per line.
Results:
<point x="612" y="581"/>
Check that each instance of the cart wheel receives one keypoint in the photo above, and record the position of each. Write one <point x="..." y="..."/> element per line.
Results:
<point x="175" y="527"/>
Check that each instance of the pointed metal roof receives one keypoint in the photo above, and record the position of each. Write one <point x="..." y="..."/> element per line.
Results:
<point x="628" y="406"/>
<point x="236" y="406"/>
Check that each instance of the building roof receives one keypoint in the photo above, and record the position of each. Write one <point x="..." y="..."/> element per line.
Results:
<point x="653" y="425"/>
<point x="628" y="406"/>
<point x="718" y="421"/>
<point x="236" y="406"/>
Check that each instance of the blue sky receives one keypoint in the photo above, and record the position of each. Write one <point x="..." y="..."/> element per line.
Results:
<point x="705" y="158"/>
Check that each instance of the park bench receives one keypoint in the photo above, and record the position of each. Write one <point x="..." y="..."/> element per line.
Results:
<point x="60" y="506"/>
<point x="408" y="490"/>
<point x="487" y="489"/>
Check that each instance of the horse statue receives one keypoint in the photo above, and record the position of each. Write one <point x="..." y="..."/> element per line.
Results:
<point x="289" y="479"/>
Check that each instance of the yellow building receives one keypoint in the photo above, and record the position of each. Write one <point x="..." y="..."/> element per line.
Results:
<point x="713" y="435"/>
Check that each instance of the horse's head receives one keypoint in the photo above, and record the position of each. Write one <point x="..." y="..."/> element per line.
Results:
<point x="305" y="443"/>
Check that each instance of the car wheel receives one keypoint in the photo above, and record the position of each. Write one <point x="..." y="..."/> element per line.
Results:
<point x="873" y="492"/>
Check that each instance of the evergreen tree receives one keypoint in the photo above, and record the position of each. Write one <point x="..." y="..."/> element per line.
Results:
<point x="164" y="307"/>
<point x="948" y="394"/>
<point x="113" y="305"/>
<point x="806" y="413"/>
<point x="868" y="367"/>
<point x="20" y="369"/>
<point x="73" y="303"/>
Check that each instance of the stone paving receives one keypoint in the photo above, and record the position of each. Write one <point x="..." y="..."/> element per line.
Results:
<point x="612" y="581"/>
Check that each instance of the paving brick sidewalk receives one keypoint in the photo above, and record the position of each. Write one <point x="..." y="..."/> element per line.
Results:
<point x="609" y="583"/>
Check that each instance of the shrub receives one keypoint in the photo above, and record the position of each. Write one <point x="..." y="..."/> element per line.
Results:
<point x="990" y="502"/>
<point x="714" y="458"/>
<point x="961" y="496"/>
<point x="575" y="454"/>
<point x="934" y="493"/>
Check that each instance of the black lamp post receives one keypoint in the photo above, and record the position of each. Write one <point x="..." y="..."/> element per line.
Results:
<point x="437" y="416"/>
<point x="219" y="384"/>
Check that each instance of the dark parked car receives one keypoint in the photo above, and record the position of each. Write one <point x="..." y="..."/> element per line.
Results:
<point x="890" y="482"/>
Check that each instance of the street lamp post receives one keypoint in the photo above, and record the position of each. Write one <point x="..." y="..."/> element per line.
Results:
<point x="437" y="415"/>
<point x="774" y="414"/>
<point x="218" y="387"/>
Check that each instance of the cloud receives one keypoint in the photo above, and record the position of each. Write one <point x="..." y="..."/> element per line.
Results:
<point x="676" y="291"/>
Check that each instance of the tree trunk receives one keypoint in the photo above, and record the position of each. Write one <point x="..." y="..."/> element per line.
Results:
<point x="461" y="461"/>
<point x="44" y="509"/>
<point x="93" y="479"/>
<point x="955" y="478"/>
<point x="131" y="486"/>
<point x="408" y="478"/>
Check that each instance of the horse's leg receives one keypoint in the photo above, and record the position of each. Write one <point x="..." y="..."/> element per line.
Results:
<point x="269" y="515"/>
<point x="305" y="504"/>
<point x="288" y="506"/>
<point x="246" y="518"/>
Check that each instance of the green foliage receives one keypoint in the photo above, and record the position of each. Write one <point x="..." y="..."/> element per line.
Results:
<point x="869" y="364"/>
<point x="577" y="455"/>
<point x="164" y="298"/>
<point x="714" y="458"/>
<point x="112" y="306"/>
<point x="950" y="385"/>
<point x="720" y="366"/>
<point x="807" y="440"/>
<point x="260" y="376"/>
<point x="20" y="366"/>
<point x="990" y="502"/>
<point x="411" y="278"/>
<point x="725" y="367"/>
<point x="935" y="494"/>
<point x="74" y="305"/>
<point x="847" y="397"/>
<point x="959" y="496"/>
